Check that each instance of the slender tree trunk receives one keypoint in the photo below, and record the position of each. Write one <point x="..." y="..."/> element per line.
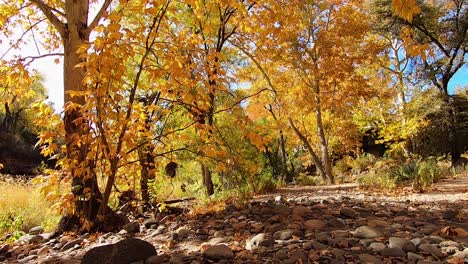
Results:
<point x="284" y="161"/>
<point x="321" y="134"/>
<point x="146" y="171"/>
<point x="452" y="129"/>
<point x="207" y="181"/>
<point x="315" y="158"/>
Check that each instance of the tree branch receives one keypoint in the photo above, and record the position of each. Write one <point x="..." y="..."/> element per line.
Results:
<point x="48" y="12"/>
<point x="98" y="16"/>
<point x="32" y="58"/>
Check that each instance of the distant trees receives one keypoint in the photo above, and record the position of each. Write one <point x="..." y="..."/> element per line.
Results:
<point x="436" y="33"/>
<point x="18" y="131"/>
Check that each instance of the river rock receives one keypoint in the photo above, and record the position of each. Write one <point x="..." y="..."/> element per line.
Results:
<point x="301" y="211"/>
<point x="397" y="242"/>
<point x="123" y="252"/>
<point x="36" y="230"/>
<point x="313" y="224"/>
<point x="218" y="252"/>
<point x="366" y="232"/>
<point x="377" y="246"/>
<point x="132" y="227"/>
<point x="393" y="252"/>
<point x="287" y="234"/>
<point x="348" y="212"/>
<point x="259" y="240"/>
<point x="151" y="223"/>
<point x="431" y="249"/>
<point x="367" y="258"/>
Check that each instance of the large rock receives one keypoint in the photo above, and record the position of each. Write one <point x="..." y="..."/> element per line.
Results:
<point x="219" y="252"/>
<point x="123" y="252"/>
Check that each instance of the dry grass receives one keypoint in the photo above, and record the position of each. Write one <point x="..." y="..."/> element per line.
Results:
<point x="22" y="207"/>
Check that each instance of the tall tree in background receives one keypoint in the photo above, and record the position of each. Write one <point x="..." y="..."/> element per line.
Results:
<point x="313" y="55"/>
<point x="437" y="30"/>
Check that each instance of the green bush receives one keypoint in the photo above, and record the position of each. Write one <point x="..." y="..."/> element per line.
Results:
<point x="421" y="174"/>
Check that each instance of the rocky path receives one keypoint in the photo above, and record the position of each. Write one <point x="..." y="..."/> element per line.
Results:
<point x="338" y="224"/>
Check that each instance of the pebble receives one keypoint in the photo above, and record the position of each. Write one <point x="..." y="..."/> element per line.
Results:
<point x="366" y="232"/>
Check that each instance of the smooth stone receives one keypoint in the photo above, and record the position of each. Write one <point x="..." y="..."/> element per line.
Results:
<point x="30" y="239"/>
<point x="218" y="252"/>
<point x="414" y="256"/>
<point x="287" y="234"/>
<point x="377" y="246"/>
<point x="366" y="232"/>
<point x="28" y="259"/>
<point x="150" y="223"/>
<point x="449" y="243"/>
<point x="36" y="230"/>
<point x="397" y="242"/>
<point x="133" y="227"/>
<point x="176" y="260"/>
<point x="348" y="212"/>
<point x="367" y="258"/>
<point x="259" y="240"/>
<point x="301" y="211"/>
<point x="393" y="252"/>
<point x="4" y="248"/>
<point x="431" y="249"/>
<point x="318" y="246"/>
<point x="216" y="241"/>
<point x="313" y="224"/>
<point x="416" y="241"/>
<point x="461" y="254"/>
<point x="336" y="222"/>
<point x="71" y="244"/>
<point x="123" y="252"/>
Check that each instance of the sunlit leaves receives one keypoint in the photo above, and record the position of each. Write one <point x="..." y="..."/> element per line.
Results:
<point x="405" y="9"/>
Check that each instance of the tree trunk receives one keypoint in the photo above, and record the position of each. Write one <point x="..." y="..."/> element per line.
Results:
<point x="284" y="161"/>
<point x="323" y="141"/>
<point x="452" y="129"/>
<point x="315" y="158"/>
<point x="207" y="181"/>
<point x="84" y="179"/>
<point x="146" y="171"/>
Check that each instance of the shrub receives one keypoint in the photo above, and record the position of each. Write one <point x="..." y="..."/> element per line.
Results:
<point x="374" y="181"/>
<point x="362" y="163"/>
<point x="420" y="173"/>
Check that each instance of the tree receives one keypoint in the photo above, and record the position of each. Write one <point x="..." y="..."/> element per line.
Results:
<point x="67" y="28"/>
<point x="322" y="67"/>
<point x="438" y="32"/>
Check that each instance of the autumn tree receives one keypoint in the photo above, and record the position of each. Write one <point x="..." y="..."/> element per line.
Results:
<point x="438" y="30"/>
<point x="317" y="82"/>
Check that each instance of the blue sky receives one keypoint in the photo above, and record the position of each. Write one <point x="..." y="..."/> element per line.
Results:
<point x="460" y="78"/>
